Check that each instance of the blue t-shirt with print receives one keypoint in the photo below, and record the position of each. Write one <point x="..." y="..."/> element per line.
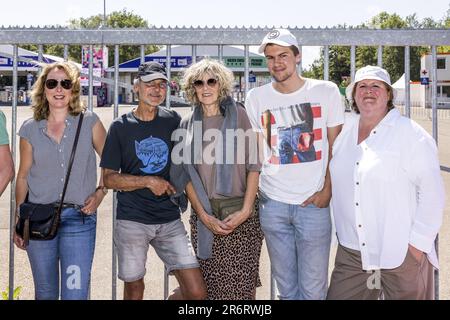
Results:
<point x="142" y="148"/>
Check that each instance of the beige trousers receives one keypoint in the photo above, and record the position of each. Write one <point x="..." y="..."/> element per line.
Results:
<point x="412" y="280"/>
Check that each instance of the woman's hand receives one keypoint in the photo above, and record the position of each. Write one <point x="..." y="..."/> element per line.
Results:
<point x="19" y="241"/>
<point x="215" y="225"/>
<point x="321" y="199"/>
<point x="160" y="186"/>
<point x="92" y="202"/>
<point x="235" y="219"/>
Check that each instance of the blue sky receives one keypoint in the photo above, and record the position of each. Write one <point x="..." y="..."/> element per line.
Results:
<point x="284" y="13"/>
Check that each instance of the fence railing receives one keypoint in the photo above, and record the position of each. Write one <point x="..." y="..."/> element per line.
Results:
<point x="194" y="37"/>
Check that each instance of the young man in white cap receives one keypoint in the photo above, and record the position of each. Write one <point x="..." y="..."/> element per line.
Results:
<point x="300" y="119"/>
<point x="136" y="161"/>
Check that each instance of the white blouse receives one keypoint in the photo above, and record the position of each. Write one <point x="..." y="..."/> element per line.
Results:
<point x="387" y="191"/>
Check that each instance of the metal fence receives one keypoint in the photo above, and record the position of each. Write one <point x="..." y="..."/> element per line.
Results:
<point x="211" y="36"/>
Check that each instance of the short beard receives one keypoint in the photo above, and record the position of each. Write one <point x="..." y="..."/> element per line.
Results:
<point x="283" y="77"/>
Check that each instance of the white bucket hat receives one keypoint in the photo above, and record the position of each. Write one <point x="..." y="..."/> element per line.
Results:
<point x="372" y="73"/>
<point x="281" y="37"/>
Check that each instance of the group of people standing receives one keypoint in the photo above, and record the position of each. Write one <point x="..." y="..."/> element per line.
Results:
<point x="266" y="170"/>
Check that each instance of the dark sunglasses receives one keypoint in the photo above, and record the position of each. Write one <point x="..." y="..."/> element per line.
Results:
<point x="53" y="83"/>
<point x="200" y="83"/>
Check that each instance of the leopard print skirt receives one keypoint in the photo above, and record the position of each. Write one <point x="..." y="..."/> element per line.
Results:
<point x="232" y="272"/>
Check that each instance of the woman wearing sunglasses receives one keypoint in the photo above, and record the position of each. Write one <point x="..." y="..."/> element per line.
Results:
<point x="46" y="142"/>
<point x="221" y="182"/>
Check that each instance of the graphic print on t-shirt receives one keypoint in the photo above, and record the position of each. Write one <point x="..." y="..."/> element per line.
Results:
<point x="154" y="154"/>
<point x="292" y="133"/>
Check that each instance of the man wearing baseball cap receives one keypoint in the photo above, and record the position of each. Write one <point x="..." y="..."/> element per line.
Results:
<point x="300" y="119"/>
<point x="136" y="162"/>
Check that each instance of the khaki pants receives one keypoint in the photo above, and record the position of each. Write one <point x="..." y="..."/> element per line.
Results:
<point x="412" y="280"/>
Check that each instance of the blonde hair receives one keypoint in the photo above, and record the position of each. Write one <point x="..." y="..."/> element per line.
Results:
<point x="40" y="106"/>
<point x="214" y="68"/>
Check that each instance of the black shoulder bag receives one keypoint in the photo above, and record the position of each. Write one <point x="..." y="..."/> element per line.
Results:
<point x="41" y="221"/>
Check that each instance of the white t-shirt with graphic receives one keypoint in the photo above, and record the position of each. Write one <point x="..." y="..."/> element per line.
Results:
<point x="296" y="155"/>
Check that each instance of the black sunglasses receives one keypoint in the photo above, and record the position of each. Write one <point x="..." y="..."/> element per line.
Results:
<point x="200" y="83"/>
<point x="53" y="83"/>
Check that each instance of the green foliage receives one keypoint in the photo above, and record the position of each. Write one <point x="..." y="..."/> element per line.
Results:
<point x="339" y="63"/>
<point x="445" y="24"/>
<point x="57" y="50"/>
<point x="315" y="71"/>
<point x="384" y="20"/>
<point x="16" y="293"/>
<point x="393" y="57"/>
<point x="116" y="19"/>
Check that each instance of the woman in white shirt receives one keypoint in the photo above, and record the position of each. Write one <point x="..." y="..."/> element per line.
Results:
<point x="388" y="198"/>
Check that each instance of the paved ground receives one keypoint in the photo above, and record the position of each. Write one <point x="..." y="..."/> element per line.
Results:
<point x="102" y="268"/>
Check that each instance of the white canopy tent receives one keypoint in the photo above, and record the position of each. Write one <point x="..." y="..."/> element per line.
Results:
<point x="399" y="86"/>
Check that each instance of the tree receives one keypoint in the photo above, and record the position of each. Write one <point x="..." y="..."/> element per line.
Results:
<point x="446" y="25"/>
<point x="116" y="19"/>
<point x="447" y="18"/>
<point x="339" y="63"/>
<point x="393" y="57"/>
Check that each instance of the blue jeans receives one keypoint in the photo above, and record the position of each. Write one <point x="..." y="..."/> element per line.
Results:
<point x="298" y="241"/>
<point x="73" y="249"/>
<point x="292" y="140"/>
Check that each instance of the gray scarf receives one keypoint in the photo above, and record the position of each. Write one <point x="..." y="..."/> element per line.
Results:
<point x="181" y="174"/>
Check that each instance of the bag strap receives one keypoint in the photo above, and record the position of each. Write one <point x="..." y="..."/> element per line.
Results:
<point x="26" y="232"/>
<point x="69" y="168"/>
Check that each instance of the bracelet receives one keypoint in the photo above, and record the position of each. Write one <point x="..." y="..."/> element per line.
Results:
<point x="103" y="189"/>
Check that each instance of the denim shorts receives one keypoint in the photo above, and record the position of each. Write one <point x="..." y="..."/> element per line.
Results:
<point x="170" y="241"/>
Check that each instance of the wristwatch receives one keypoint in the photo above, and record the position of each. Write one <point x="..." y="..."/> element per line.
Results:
<point x="103" y="188"/>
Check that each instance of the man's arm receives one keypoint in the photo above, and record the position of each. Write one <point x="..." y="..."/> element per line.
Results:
<point x="127" y="182"/>
<point x="26" y="161"/>
<point x="6" y="167"/>
<point x="321" y="199"/>
<point x="98" y="140"/>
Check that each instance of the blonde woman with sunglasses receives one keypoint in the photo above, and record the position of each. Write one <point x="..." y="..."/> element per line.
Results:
<point x="46" y="142"/>
<point x="225" y="229"/>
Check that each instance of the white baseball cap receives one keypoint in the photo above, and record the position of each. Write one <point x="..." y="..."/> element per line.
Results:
<point x="372" y="73"/>
<point x="281" y="37"/>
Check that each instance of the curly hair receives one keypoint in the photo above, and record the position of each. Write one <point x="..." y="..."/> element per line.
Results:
<point x="215" y="69"/>
<point x="390" y="103"/>
<point x="39" y="102"/>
